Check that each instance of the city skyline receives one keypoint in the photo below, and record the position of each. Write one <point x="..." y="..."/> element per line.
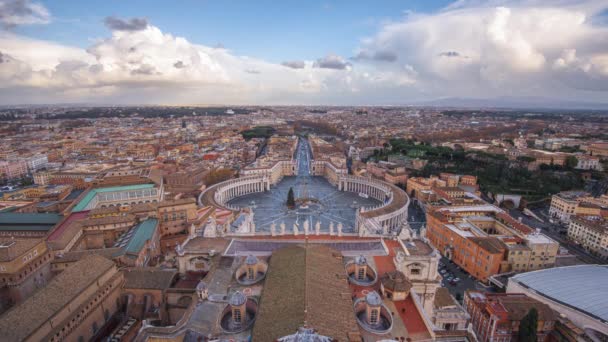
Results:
<point x="315" y="53"/>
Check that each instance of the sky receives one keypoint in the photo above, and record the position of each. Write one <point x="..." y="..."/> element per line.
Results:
<point x="197" y="52"/>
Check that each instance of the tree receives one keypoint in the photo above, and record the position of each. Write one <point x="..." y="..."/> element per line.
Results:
<point x="291" y="201"/>
<point x="528" y="326"/>
<point x="216" y="176"/>
<point x="571" y="162"/>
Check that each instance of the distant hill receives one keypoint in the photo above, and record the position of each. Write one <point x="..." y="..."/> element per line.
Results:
<point x="515" y="102"/>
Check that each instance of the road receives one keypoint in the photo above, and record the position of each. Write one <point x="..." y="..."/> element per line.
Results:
<point x="465" y="283"/>
<point x="415" y="216"/>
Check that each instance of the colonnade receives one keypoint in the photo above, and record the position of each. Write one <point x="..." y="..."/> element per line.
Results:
<point x="389" y="215"/>
<point x="367" y="186"/>
<point x="220" y="194"/>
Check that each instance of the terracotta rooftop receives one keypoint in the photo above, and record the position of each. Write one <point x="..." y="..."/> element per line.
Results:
<point x="16" y="247"/>
<point x="24" y="319"/>
<point x="443" y="298"/>
<point x="108" y="220"/>
<point x="77" y="255"/>
<point x="490" y="244"/>
<point x="305" y="285"/>
<point x="396" y="281"/>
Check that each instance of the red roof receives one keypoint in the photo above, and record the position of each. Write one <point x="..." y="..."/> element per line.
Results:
<point x="210" y="156"/>
<point x="385" y="264"/>
<point x="58" y="231"/>
<point x="412" y="319"/>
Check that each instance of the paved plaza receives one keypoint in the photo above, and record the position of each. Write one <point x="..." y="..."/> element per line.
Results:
<point x="328" y="205"/>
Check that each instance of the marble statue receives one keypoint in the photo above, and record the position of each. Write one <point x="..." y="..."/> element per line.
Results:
<point x="295" y="229"/>
<point x="273" y="228"/>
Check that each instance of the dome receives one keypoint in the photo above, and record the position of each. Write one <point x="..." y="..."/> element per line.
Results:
<point x="395" y="281"/>
<point x="305" y="335"/>
<point x="237" y="298"/>
<point x="373" y="299"/>
<point x="251" y="260"/>
<point x="361" y="260"/>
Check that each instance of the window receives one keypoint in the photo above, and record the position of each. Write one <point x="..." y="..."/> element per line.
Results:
<point x="415" y="271"/>
<point x="361" y="274"/>
<point x="374" y="317"/>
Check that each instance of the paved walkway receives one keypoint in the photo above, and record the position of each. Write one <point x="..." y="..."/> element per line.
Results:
<point x="333" y="205"/>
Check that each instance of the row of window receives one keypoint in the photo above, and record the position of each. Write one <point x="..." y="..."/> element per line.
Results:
<point x="76" y="320"/>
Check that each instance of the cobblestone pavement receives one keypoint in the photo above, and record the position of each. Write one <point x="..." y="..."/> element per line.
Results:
<point x="328" y="205"/>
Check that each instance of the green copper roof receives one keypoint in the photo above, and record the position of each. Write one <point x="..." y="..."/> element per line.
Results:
<point x="143" y="232"/>
<point x="28" y="221"/>
<point x="91" y="194"/>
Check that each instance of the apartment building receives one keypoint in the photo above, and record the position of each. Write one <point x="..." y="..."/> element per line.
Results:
<point x="564" y="203"/>
<point x="591" y="232"/>
<point x="495" y="317"/>
<point x="484" y="240"/>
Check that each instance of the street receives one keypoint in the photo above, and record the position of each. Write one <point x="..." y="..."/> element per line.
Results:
<point x="416" y="216"/>
<point x="466" y="282"/>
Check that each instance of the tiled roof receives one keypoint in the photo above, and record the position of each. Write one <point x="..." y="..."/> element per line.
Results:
<point x="443" y="298"/>
<point x="17" y="247"/>
<point x="305" y="284"/>
<point x="77" y="255"/>
<point x="24" y="319"/>
<point x="490" y="244"/>
<point x="108" y="220"/>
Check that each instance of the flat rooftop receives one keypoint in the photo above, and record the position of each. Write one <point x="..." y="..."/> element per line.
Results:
<point x="267" y="247"/>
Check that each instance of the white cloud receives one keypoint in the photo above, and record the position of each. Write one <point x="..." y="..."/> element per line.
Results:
<point x="476" y="49"/>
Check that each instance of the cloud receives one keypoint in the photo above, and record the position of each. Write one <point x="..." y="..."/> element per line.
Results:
<point x="472" y="49"/>
<point x="118" y="24"/>
<point x="332" y="62"/>
<point x="145" y="69"/>
<point x="449" y="54"/>
<point x="500" y="47"/>
<point x="381" y="56"/>
<point x="22" y="12"/>
<point x="294" y="64"/>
